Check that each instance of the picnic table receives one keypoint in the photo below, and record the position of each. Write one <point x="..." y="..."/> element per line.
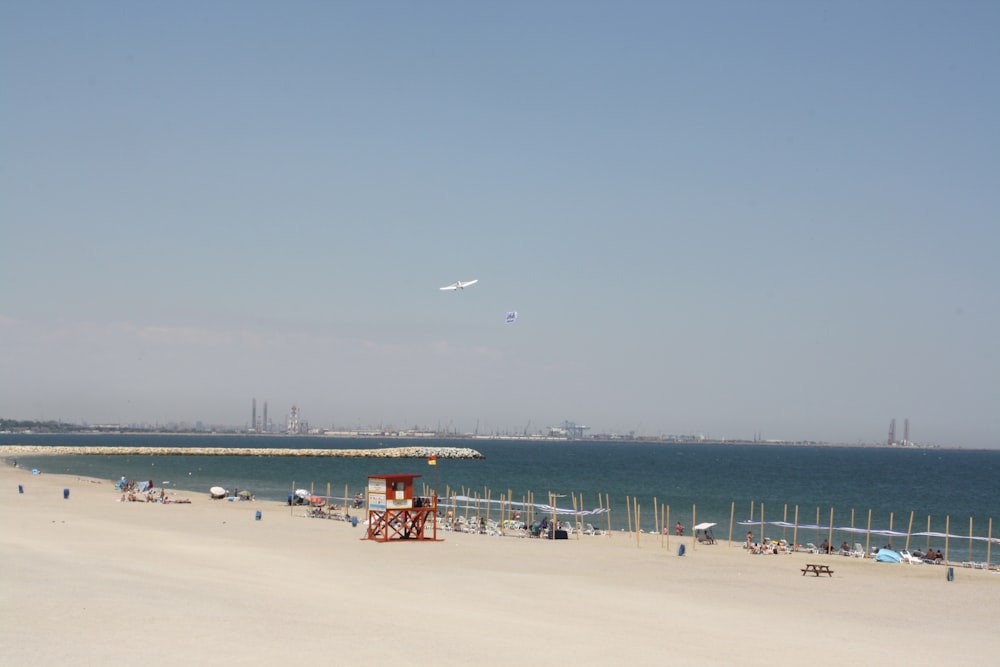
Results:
<point x="817" y="569"/>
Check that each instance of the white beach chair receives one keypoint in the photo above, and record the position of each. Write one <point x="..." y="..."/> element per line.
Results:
<point x="858" y="551"/>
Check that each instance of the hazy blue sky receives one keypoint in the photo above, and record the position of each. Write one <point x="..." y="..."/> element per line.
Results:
<point x="724" y="218"/>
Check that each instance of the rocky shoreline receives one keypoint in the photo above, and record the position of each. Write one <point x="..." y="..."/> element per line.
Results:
<point x="384" y="453"/>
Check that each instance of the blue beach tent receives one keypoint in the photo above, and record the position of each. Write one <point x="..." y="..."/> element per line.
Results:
<point x="888" y="556"/>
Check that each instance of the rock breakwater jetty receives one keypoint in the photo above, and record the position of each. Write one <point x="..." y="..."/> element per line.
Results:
<point x="381" y="453"/>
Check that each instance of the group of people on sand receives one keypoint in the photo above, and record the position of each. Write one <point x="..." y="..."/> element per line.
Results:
<point x="134" y="493"/>
<point x="763" y="547"/>
<point x="133" y="497"/>
<point x="678" y="529"/>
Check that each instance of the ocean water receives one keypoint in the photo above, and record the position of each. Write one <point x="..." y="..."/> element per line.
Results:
<point x="715" y="480"/>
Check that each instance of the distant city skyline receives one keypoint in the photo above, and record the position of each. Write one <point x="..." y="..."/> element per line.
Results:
<point x="294" y="423"/>
<point x="720" y="218"/>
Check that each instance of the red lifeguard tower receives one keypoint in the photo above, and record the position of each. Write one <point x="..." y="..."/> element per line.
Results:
<point x="396" y="513"/>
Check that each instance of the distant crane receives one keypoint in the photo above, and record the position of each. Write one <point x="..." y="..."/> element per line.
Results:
<point x="574" y="431"/>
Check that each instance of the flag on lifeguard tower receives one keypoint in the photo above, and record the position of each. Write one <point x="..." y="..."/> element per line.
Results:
<point x="432" y="460"/>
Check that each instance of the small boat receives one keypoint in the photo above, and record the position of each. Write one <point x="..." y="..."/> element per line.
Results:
<point x="217" y="492"/>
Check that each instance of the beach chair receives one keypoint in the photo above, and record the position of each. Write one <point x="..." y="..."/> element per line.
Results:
<point x="515" y="528"/>
<point x="858" y="551"/>
<point x="811" y="548"/>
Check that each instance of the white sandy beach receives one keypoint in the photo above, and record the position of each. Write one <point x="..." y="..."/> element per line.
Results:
<point x="89" y="580"/>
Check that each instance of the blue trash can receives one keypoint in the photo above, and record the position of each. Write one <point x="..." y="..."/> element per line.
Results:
<point x="258" y="515"/>
<point x="20" y="488"/>
<point x="354" y="522"/>
<point x="680" y="550"/>
<point x="951" y="574"/>
<point x="65" y="494"/>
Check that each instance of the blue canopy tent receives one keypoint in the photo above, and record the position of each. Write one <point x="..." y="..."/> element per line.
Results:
<point x="888" y="556"/>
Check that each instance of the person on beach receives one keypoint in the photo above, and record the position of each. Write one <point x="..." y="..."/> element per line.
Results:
<point x="678" y="529"/>
<point x="749" y="543"/>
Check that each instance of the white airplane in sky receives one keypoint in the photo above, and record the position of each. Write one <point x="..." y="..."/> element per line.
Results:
<point x="460" y="284"/>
